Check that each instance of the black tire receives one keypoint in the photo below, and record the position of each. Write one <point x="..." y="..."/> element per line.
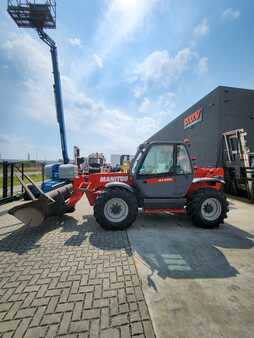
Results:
<point x="128" y="199"/>
<point x="233" y="187"/>
<point x="216" y="201"/>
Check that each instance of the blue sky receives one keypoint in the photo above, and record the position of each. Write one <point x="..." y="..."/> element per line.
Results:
<point x="128" y="67"/>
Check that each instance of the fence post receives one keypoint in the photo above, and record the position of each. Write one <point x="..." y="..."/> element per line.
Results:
<point x="22" y="175"/>
<point x="5" y="179"/>
<point x="11" y="179"/>
<point x="43" y="172"/>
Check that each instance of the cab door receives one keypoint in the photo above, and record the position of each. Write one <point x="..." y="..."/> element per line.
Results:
<point x="165" y="172"/>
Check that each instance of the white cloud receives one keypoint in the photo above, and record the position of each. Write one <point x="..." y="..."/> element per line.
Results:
<point x="75" y="42"/>
<point x="98" y="60"/>
<point x="4" y="139"/>
<point x="139" y="90"/>
<point x="121" y="21"/>
<point x="26" y="51"/>
<point x="17" y="147"/>
<point x="10" y="145"/>
<point x="202" y="29"/>
<point x="160" y="68"/>
<point x="105" y="122"/>
<point x="89" y="123"/>
<point x="145" y="105"/>
<point x="202" y="66"/>
<point x="32" y="59"/>
<point x="160" y="108"/>
<point x="167" y="101"/>
<point x="231" y="14"/>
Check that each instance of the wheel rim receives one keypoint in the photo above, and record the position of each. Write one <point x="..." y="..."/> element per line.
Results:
<point x="211" y="209"/>
<point x="116" y="210"/>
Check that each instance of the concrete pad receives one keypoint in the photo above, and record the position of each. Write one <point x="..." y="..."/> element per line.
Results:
<point x="197" y="283"/>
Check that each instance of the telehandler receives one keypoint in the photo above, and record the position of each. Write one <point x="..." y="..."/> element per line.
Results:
<point x="161" y="179"/>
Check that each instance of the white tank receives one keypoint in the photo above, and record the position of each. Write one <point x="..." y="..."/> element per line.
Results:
<point x="68" y="171"/>
<point x="52" y="170"/>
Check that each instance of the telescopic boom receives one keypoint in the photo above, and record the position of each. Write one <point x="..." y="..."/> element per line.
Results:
<point x="57" y="91"/>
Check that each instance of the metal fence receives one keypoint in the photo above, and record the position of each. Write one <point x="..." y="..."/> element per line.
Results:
<point x="10" y="188"/>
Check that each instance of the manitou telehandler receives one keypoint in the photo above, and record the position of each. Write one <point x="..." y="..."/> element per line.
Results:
<point x="161" y="179"/>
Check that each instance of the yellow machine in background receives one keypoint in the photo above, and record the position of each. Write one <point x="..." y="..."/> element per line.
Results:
<point x="125" y="163"/>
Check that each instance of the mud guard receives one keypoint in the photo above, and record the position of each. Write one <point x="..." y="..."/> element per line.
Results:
<point x="119" y="185"/>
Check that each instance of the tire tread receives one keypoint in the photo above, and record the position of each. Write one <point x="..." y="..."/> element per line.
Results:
<point x="104" y="197"/>
<point x="194" y="203"/>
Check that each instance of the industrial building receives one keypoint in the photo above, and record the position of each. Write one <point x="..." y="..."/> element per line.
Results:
<point x="212" y="126"/>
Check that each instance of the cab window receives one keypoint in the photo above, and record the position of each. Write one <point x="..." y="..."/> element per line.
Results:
<point x="159" y="160"/>
<point x="136" y="162"/>
<point x="183" y="165"/>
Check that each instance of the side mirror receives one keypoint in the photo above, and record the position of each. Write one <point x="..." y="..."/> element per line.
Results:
<point x="142" y="171"/>
<point x="81" y="160"/>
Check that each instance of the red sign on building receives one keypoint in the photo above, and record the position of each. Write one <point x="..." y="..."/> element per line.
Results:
<point x="193" y="118"/>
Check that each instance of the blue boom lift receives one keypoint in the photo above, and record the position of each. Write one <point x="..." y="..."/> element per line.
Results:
<point x="57" y="91"/>
<point x="41" y="15"/>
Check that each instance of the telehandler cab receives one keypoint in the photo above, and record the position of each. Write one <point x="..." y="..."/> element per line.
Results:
<point x="161" y="179"/>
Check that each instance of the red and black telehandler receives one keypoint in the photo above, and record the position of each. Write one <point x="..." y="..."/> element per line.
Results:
<point x="161" y="180"/>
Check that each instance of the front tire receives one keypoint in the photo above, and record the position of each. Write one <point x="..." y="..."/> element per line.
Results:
<point x="207" y="208"/>
<point x="116" y="209"/>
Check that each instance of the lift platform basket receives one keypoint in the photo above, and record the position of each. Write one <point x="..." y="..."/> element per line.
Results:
<point x="33" y="14"/>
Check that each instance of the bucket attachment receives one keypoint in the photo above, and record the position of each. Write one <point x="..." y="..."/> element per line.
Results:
<point x="35" y="212"/>
<point x="31" y="213"/>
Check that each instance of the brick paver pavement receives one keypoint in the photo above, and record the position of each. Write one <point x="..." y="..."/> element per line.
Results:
<point x="69" y="280"/>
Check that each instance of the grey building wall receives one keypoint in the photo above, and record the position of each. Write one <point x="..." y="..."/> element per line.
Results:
<point x="237" y="111"/>
<point x="224" y="109"/>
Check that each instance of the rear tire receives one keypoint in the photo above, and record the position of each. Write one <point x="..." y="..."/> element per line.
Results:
<point x="207" y="208"/>
<point x="116" y="209"/>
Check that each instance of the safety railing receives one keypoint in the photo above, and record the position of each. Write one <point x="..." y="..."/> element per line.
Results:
<point x="10" y="187"/>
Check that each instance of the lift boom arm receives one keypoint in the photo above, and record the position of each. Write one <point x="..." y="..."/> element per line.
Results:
<point x="57" y="91"/>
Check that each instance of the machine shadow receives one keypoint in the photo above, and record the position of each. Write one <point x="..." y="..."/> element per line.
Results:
<point x="68" y="224"/>
<point x="90" y="231"/>
<point x="172" y="247"/>
<point x="24" y="238"/>
<point x="167" y="246"/>
<point x="75" y="233"/>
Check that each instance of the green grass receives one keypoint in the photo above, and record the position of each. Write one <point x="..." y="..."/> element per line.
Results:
<point x="35" y="178"/>
<point x="33" y="169"/>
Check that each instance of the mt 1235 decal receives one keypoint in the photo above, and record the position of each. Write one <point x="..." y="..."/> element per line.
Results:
<point x="160" y="180"/>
